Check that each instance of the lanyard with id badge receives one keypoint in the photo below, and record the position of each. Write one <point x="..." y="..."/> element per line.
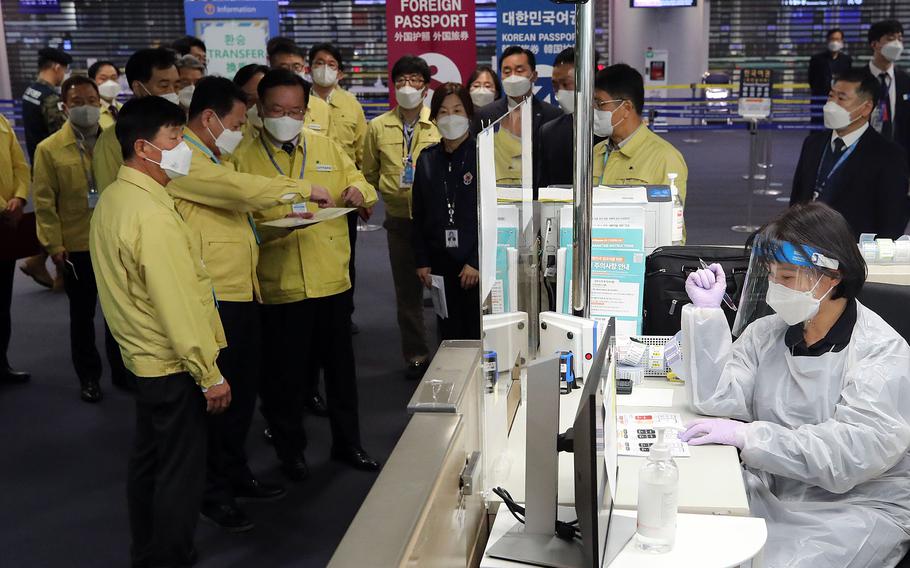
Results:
<point x="93" y="193"/>
<point x="451" y="233"/>
<point x="821" y="184"/>
<point x="407" y="174"/>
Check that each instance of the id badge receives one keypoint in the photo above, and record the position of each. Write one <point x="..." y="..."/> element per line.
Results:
<point x="93" y="199"/>
<point x="407" y="175"/>
<point x="451" y="238"/>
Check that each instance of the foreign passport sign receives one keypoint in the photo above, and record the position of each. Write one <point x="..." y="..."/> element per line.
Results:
<point x="540" y="26"/>
<point x="755" y="93"/>
<point x="235" y="32"/>
<point x="442" y="32"/>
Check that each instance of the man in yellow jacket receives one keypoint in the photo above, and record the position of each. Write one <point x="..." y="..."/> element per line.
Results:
<point x="284" y="53"/>
<point x="230" y="250"/>
<point x="631" y="154"/>
<point x="304" y="278"/>
<point x="348" y="124"/>
<point x="158" y="300"/>
<point x="13" y="196"/>
<point x="149" y="72"/>
<point x="392" y="145"/>
<point x="64" y="192"/>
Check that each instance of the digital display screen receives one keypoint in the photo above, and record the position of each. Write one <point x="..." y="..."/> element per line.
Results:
<point x="662" y="3"/>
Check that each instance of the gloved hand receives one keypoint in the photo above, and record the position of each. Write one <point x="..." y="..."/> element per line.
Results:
<point x="706" y="287"/>
<point x="714" y="431"/>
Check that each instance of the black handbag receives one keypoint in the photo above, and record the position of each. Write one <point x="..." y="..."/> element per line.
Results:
<point x="666" y="270"/>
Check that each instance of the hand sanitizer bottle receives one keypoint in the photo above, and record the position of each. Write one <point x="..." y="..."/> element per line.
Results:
<point x="658" y="498"/>
<point x="678" y="211"/>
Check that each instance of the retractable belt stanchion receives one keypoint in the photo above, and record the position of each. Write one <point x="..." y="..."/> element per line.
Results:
<point x="765" y="165"/>
<point x="751" y="177"/>
<point x="692" y="139"/>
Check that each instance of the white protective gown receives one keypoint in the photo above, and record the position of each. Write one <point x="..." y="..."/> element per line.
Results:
<point x="826" y="444"/>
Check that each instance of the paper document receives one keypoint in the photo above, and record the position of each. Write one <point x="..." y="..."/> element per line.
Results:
<point x="320" y="216"/>
<point x="438" y="294"/>
<point x="643" y="396"/>
<point x="638" y="432"/>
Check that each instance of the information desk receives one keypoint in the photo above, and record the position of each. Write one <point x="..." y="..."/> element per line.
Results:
<point x="710" y="481"/>
<point x="705" y="541"/>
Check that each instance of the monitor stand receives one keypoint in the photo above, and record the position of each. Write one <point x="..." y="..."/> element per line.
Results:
<point x="551" y="551"/>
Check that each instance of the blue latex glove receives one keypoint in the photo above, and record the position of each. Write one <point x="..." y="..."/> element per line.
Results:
<point x="706" y="288"/>
<point x="714" y="431"/>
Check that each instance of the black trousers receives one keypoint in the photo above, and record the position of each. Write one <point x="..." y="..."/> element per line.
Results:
<point x="239" y="363"/>
<point x="166" y="474"/>
<point x="464" y="312"/>
<point x="352" y="269"/>
<point x="7" y="270"/>
<point x="79" y="283"/>
<point x="298" y="337"/>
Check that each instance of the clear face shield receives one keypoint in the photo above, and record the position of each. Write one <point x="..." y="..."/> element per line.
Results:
<point x="784" y="278"/>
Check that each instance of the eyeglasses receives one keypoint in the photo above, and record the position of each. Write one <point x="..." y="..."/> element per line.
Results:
<point x="278" y="112"/>
<point x="601" y="105"/>
<point x="415" y="81"/>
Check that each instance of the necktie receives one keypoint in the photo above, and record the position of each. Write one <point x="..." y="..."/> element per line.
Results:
<point x="288" y="147"/>
<point x="828" y="162"/>
<point x="885" y="105"/>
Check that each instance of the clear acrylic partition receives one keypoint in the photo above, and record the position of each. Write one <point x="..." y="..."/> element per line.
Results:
<point x="509" y="276"/>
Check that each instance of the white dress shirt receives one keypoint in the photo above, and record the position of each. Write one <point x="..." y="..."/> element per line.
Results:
<point x="849" y="139"/>
<point x="892" y="93"/>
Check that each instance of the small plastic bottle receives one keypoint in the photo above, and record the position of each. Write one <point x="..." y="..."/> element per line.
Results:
<point x="678" y="211"/>
<point x="658" y="498"/>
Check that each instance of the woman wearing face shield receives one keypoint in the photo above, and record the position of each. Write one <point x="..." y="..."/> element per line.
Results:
<point x="816" y="395"/>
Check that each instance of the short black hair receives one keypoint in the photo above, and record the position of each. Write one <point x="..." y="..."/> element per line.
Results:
<point x="75" y="81"/>
<point x="283" y="78"/>
<point x="883" y="28"/>
<point x="183" y="45"/>
<point x="408" y="64"/>
<point x="329" y="48"/>
<point x="567" y="55"/>
<point x="141" y="119"/>
<point x="622" y="82"/>
<point x="833" y="31"/>
<point x="247" y="72"/>
<point x="868" y="89"/>
<point x="96" y="66"/>
<point x="143" y="63"/>
<point x="480" y="70"/>
<point x="461" y="91"/>
<point x="820" y="227"/>
<point x="48" y="56"/>
<point x="518" y="50"/>
<point x="216" y="93"/>
<point x="280" y="44"/>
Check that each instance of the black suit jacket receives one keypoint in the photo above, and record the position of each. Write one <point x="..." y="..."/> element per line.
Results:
<point x="869" y="189"/>
<point x="822" y="68"/>
<point x="541" y="112"/>
<point x="557" y="143"/>
<point x="902" y="110"/>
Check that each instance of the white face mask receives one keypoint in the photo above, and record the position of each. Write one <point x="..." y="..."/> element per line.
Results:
<point x="836" y="116"/>
<point x="516" y="85"/>
<point x="325" y="76"/>
<point x="603" y="122"/>
<point x="408" y="97"/>
<point x="482" y="96"/>
<point x="453" y="126"/>
<point x="252" y="116"/>
<point x="566" y="100"/>
<point x="169" y="97"/>
<point x="305" y="76"/>
<point x="185" y="96"/>
<point x="109" y="90"/>
<point x="84" y="116"/>
<point x="176" y="161"/>
<point x="835" y="46"/>
<point x="892" y="50"/>
<point x="793" y="306"/>
<point x="228" y="140"/>
<point x="283" y="129"/>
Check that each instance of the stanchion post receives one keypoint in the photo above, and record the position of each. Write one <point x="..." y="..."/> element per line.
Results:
<point x="753" y="167"/>
<point x="692" y="120"/>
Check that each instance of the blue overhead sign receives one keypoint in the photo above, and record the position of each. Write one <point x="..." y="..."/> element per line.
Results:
<point x="540" y="26"/>
<point x="235" y="32"/>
